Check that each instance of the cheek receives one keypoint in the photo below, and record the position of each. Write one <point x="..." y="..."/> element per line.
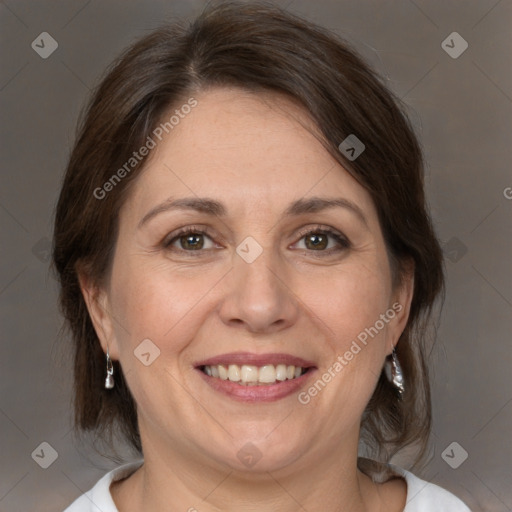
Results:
<point x="348" y="301"/>
<point x="350" y="308"/>
<point x="153" y="303"/>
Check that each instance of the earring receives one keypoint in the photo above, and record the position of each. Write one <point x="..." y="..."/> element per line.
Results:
<point x="109" y="380"/>
<point x="394" y="372"/>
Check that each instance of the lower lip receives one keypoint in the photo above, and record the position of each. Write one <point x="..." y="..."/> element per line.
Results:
<point x="266" y="393"/>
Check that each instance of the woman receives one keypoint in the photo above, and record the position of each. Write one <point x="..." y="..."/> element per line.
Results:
<point x="248" y="269"/>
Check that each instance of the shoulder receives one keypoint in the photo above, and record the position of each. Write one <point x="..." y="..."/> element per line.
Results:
<point x="423" y="496"/>
<point x="99" y="498"/>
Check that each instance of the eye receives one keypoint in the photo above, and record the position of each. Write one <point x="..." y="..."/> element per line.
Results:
<point x="193" y="239"/>
<point x="322" y="240"/>
<point x="189" y="239"/>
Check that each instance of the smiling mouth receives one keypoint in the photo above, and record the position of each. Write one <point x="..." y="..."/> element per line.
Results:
<point x="251" y="375"/>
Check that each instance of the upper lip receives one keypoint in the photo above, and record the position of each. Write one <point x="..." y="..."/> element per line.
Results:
<point x="249" y="358"/>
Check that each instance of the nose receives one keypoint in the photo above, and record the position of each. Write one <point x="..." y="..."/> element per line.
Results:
<point x="258" y="296"/>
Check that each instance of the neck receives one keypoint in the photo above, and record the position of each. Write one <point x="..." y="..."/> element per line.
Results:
<point x="178" y="481"/>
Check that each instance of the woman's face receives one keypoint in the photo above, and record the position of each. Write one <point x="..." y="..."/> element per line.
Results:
<point x="284" y="264"/>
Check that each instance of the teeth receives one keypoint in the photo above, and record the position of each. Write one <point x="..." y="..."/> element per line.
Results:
<point x="267" y="373"/>
<point x="281" y="372"/>
<point x="223" y="372"/>
<point x="233" y="373"/>
<point x="250" y="375"/>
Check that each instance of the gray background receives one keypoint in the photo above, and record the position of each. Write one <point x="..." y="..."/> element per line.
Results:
<point x="461" y="109"/>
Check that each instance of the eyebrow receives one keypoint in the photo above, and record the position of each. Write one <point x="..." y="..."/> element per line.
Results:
<point x="318" y="204"/>
<point x="199" y="204"/>
<point x="215" y="208"/>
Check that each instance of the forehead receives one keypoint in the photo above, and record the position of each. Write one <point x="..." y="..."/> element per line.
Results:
<point x="238" y="146"/>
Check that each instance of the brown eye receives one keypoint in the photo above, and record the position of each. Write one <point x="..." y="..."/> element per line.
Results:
<point x="193" y="241"/>
<point x="323" y="241"/>
<point x="188" y="240"/>
<point x="316" y="241"/>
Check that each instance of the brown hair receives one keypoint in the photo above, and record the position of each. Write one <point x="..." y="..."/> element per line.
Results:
<point x="257" y="47"/>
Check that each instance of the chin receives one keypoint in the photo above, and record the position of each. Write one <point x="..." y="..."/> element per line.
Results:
<point x="271" y="451"/>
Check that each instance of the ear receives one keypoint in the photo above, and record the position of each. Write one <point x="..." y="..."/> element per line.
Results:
<point x="402" y="298"/>
<point x="98" y="306"/>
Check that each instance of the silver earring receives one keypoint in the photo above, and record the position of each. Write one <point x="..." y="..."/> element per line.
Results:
<point x="109" y="380"/>
<point x="394" y="373"/>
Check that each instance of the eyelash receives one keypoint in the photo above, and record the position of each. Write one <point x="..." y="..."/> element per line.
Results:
<point x="342" y="241"/>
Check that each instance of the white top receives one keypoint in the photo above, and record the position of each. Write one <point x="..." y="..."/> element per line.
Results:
<point x="422" y="496"/>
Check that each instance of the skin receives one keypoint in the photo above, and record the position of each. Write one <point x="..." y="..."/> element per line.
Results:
<point x="255" y="154"/>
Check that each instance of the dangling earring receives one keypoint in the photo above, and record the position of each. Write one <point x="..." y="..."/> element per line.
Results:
<point x="394" y="373"/>
<point x="109" y="381"/>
